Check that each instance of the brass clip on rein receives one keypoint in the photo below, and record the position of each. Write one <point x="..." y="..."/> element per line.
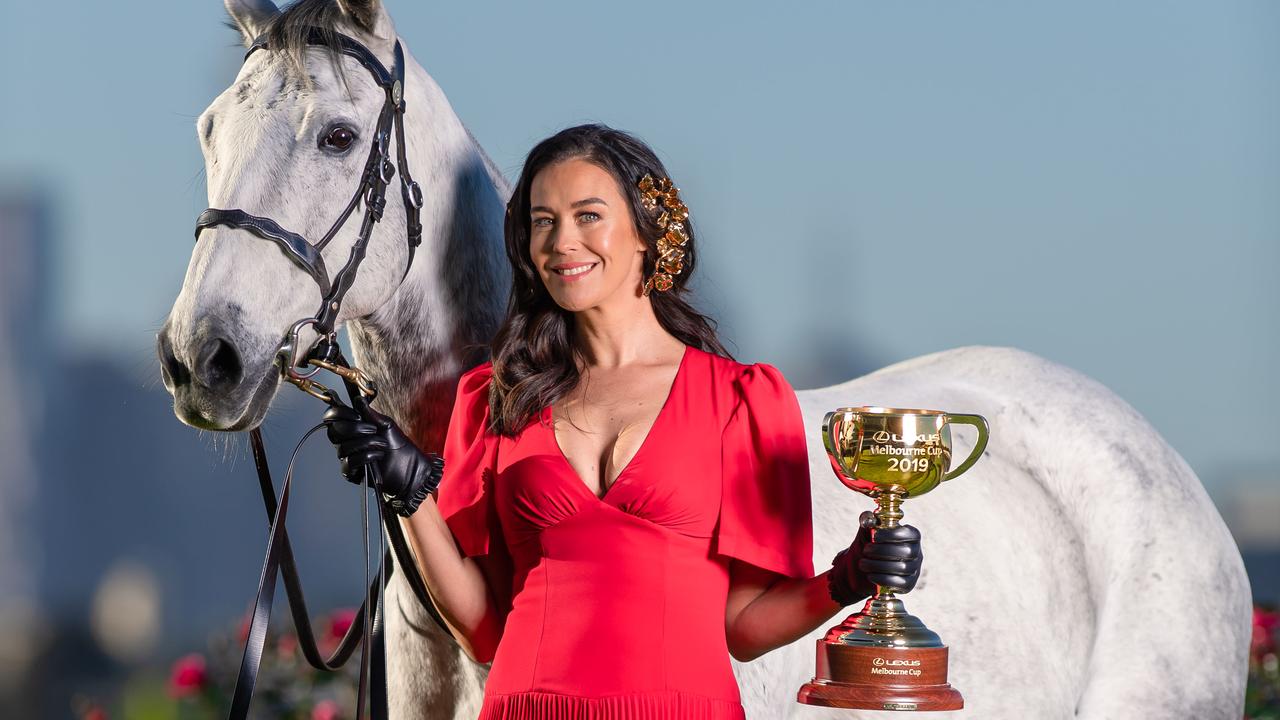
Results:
<point x="286" y="358"/>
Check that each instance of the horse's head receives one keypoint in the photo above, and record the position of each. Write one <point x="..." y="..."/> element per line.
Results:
<point x="289" y="141"/>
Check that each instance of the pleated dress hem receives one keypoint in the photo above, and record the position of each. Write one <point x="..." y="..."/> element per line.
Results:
<point x="662" y="705"/>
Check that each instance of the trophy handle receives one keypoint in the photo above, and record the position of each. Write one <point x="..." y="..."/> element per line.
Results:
<point x="831" y="447"/>
<point x="978" y="422"/>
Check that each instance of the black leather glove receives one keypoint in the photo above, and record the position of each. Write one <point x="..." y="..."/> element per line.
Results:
<point x="889" y="557"/>
<point x="407" y="475"/>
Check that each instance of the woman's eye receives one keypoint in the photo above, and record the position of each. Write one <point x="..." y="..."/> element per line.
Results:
<point x="542" y="222"/>
<point x="339" y="138"/>
<point x="589" y="217"/>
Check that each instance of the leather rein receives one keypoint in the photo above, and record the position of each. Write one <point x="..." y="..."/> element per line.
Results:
<point x="298" y="368"/>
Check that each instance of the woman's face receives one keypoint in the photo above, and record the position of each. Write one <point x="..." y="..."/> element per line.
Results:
<point x="582" y="238"/>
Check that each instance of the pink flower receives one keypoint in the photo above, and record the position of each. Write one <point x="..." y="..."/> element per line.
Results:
<point x="340" y="621"/>
<point x="245" y="623"/>
<point x="1266" y="619"/>
<point x="286" y="644"/>
<point x="188" y="676"/>
<point x="1264" y="631"/>
<point x="326" y="710"/>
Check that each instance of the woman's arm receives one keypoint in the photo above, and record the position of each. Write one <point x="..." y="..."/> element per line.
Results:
<point x="767" y="610"/>
<point x="462" y="588"/>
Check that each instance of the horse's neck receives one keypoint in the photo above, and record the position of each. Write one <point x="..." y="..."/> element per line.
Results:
<point x="415" y="346"/>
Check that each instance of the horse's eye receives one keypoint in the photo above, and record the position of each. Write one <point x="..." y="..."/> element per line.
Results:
<point x="338" y="138"/>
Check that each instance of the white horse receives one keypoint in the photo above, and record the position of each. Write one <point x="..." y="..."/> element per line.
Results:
<point x="1130" y="599"/>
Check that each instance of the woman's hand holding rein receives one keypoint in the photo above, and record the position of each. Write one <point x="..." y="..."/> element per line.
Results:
<point x="407" y="477"/>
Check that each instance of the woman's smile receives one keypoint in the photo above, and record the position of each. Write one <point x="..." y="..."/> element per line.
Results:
<point x="571" y="272"/>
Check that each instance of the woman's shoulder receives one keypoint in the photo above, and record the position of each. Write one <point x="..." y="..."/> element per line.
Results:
<point x="473" y="390"/>
<point x="744" y="377"/>
<point x="733" y="387"/>
<point x="479" y="374"/>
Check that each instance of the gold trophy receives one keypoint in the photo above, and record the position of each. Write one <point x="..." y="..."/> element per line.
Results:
<point x="882" y="658"/>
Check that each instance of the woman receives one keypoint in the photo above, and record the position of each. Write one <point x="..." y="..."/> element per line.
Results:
<point x="622" y="506"/>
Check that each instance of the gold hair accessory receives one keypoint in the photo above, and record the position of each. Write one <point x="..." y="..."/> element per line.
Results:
<point x="671" y="244"/>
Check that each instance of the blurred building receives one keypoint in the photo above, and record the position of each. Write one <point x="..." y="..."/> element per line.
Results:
<point x="26" y="247"/>
<point x="127" y="537"/>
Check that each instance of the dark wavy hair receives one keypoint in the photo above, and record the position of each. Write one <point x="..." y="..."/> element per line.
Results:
<point x="533" y="353"/>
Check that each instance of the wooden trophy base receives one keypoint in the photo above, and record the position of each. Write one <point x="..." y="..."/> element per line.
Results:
<point x="881" y="678"/>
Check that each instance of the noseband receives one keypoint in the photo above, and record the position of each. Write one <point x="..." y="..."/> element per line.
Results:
<point x="378" y="173"/>
<point x="368" y="627"/>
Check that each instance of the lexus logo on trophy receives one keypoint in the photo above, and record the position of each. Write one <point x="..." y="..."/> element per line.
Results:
<point x="882" y="658"/>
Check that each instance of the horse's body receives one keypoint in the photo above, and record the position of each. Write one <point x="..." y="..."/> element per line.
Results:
<point x="1131" y="601"/>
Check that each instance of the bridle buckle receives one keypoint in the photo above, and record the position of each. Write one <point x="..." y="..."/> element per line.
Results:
<point x="287" y="354"/>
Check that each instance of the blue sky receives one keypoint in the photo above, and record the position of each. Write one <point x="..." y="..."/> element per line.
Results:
<point x="1094" y="182"/>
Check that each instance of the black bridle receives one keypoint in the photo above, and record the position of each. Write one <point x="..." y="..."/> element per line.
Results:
<point x="378" y="173"/>
<point x="325" y="353"/>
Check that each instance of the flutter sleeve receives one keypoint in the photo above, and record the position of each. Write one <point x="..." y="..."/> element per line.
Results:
<point x="766" y="517"/>
<point x="470" y="458"/>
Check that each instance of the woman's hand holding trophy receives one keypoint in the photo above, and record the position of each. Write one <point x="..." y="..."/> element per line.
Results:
<point x="887" y="557"/>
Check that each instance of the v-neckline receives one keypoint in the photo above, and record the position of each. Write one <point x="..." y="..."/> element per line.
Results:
<point x="671" y="391"/>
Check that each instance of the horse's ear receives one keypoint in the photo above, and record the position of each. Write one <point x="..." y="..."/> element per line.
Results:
<point x="251" y="17"/>
<point x="369" y="16"/>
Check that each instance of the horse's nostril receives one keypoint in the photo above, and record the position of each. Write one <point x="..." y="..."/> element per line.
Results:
<point x="219" y="364"/>
<point x="172" y="369"/>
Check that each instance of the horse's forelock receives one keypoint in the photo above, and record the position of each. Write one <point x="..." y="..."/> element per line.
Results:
<point x="288" y="31"/>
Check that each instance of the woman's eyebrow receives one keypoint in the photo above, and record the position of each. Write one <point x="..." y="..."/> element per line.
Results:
<point x="576" y="204"/>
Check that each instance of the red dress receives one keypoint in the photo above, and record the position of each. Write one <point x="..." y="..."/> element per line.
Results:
<point x="618" y="602"/>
